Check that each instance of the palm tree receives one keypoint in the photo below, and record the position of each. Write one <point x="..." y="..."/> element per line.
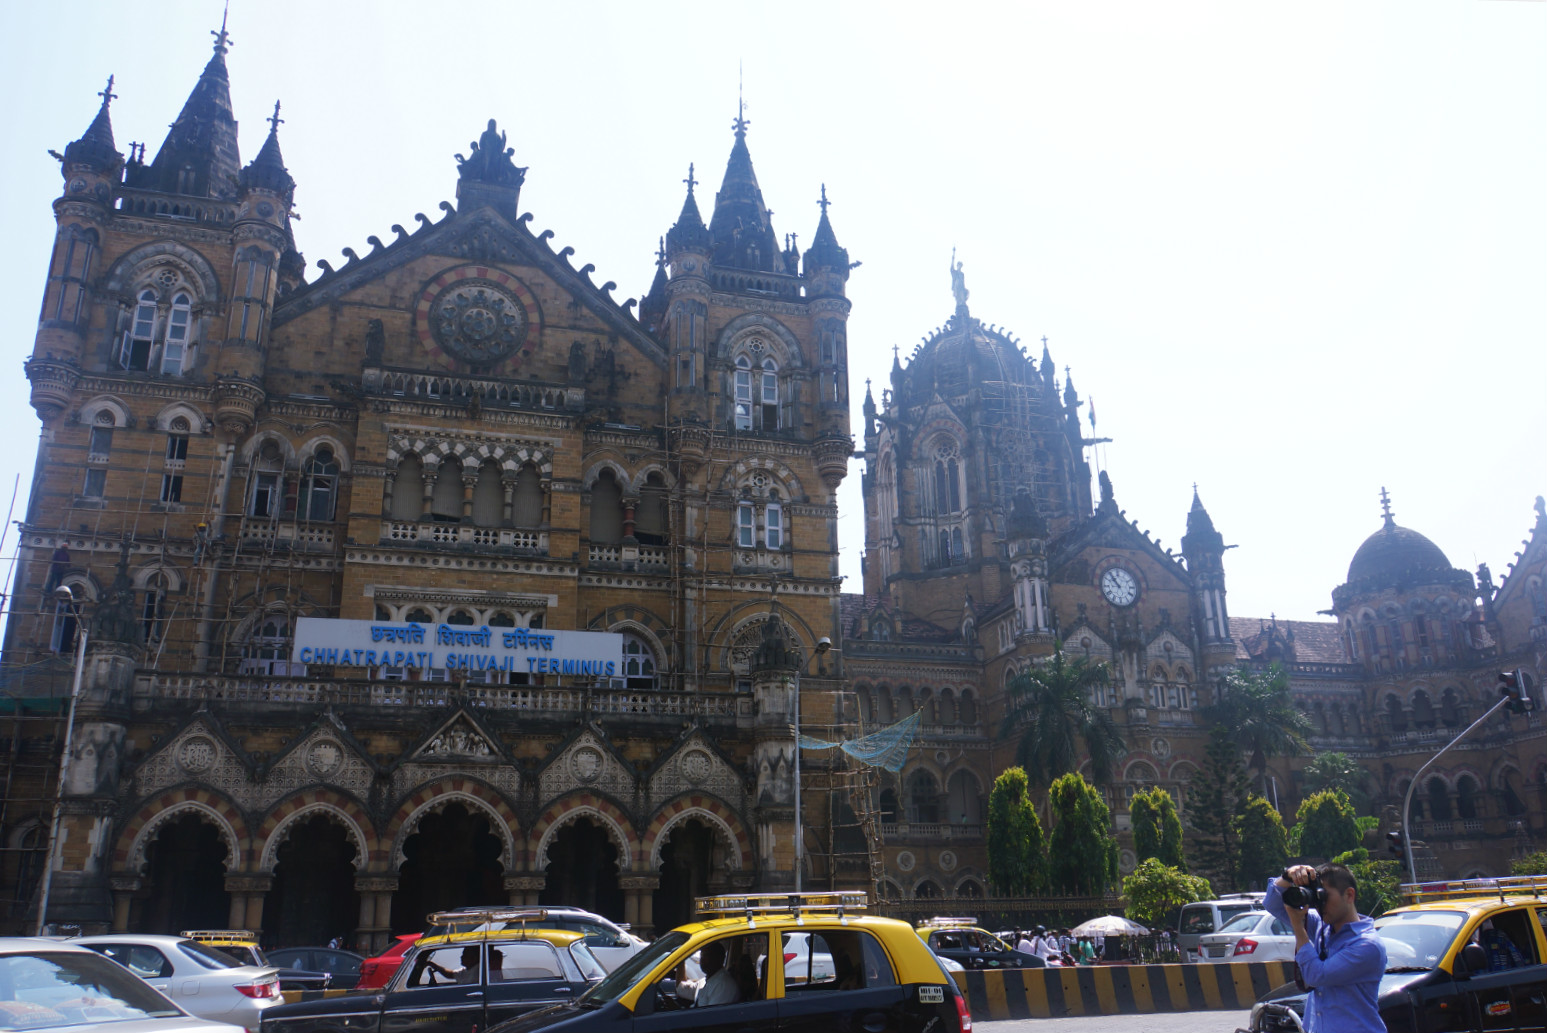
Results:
<point x="1052" y="711"/>
<point x="1258" y="712"/>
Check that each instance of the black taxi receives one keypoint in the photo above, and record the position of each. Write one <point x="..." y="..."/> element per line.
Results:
<point x="458" y="983"/>
<point x="1464" y="955"/>
<point x="883" y="979"/>
<point x="961" y="940"/>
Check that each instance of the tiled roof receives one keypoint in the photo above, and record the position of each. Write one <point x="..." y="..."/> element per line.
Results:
<point x="1313" y="642"/>
<point x="856" y="610"/>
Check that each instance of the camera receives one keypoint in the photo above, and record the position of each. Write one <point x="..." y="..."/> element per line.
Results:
<point x="1312" y="894"/>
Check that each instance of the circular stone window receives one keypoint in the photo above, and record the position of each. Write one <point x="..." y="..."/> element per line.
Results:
<point x="478" y="321"/>
<point x="196" y="755"/>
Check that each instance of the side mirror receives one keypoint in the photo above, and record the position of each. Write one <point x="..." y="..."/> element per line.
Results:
<point x="1473" y="959"/>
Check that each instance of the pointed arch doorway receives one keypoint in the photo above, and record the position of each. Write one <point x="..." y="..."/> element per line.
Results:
<point x="313" y="897"/>
<point x="185" y="868"/>
<point x="583" y="870"/>
<point x="452" y="860"/>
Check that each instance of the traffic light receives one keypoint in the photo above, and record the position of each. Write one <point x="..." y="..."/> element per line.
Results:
<point x="1516" y="686"/>
<point x="1394" y="844"/>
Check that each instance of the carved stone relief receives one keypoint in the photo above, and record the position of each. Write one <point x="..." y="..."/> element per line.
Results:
<point x="587" y="763"/>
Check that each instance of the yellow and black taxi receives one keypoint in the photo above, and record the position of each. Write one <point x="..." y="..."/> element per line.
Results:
<point x="1466" y="955"/>
<point x="242" y="946"/>
<point x="458" y="982"/>
<point x="883" y="978"/>
<point x="964" y="942"/>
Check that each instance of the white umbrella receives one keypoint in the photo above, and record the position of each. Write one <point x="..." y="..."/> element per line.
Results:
<point x="1109" y="925"/>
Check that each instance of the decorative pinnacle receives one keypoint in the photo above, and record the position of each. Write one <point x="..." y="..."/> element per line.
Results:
<point x="660" y="252"/>
<point x="222" y="38"/>
<point x="824" y="202"/>
<point x="1385" y="505"/>
<point x="741" y="121"/>
<point x="107" y="94"/>
<point x="690" y="181"/>
<point x="274" y="120"/>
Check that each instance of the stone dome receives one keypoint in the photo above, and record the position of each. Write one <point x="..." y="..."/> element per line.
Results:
<point x="1394" y="554"/>
<point x="965" y="354"/>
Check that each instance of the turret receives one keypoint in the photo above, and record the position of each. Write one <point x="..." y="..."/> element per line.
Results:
<point x="1204" y="549"/>
<point x="91" y="167"/>
<point x="826" y="272"/>
<point x="199" y="157"/>
<point x="775" y="671"/>
<point x="741" y="225"/>
<point x="1026" y="534"/>
<point x="686" y="328"/>
<point x="652" y="310"/>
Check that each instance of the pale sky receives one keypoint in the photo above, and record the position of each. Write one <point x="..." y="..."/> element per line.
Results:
<point x="1295" y="251"/>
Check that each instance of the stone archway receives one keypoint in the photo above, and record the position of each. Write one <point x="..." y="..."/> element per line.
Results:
<point x="687" y="863"/>
<point x="185" y="856"/>
<point x="583" y="865"/>
<point x="312" y="898"/>
<point x="452" y="858"/>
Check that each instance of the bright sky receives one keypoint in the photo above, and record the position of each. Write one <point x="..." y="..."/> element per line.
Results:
<point x="1295" y="251"/>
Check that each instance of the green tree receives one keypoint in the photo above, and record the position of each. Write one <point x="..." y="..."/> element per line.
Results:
<point x="1379" y="881"/>
<point x="1082" y="855"/>
<point x="1218" y="797"/>
<point x="1258" y="711"/>
<point x="1051" y="714"/>
<point x="1017" y="850"/>
<point x="1329" y="770"/>
<point x="1157" y="829"/>
<point x="1264" y="843"/>
<point x="1328" y="826"/>
<point x="1155" y="893"/>
<point x="1531" y="864"/>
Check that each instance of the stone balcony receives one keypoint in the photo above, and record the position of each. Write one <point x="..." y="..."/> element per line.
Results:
<point x="529" y="542"/>
<point x="650" y="559"/>
<point x="263" y="532"/>
<point x="929" y="832"/>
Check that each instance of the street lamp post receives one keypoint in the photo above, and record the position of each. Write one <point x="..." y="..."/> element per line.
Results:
<point x="1407" y="802"/>
<point x="822" y="646"/>
<point x="64" y="594"/>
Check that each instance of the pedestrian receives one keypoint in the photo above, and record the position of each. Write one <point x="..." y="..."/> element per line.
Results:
<point x="1341" y="958"/>
<point x="1023" y="943"/>
<point x="335" y="943"/>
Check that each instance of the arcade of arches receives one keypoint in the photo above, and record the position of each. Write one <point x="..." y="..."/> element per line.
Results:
<point x="451" y="859"/>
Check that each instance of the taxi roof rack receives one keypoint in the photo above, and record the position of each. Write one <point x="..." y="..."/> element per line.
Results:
<point x="487" y="916"/>
<point x="950" y="920"/>
<point x="219" y="934"/>
<point x="751" y="904"/>
<point x="1459" y="889"/>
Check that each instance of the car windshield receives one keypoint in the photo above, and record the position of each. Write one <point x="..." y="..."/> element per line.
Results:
<point x="1197" y="919"/>
<point x="628" y="973"/>
<point x="1241" y="923"/>
<point x="1417" y="939"/>
<point x="207" y="956"/>
<point x="73" y="988"/>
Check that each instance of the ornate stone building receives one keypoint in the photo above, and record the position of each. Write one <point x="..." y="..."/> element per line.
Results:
<point x="457" y="428"/>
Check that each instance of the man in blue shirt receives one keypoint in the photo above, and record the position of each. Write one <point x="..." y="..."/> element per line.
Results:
<point x="1341" y="959"/>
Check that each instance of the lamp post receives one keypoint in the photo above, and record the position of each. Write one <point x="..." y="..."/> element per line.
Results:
<point x="63" y="594"/>
<point x="1407" y="802"/>
<point x="822" y="646"/>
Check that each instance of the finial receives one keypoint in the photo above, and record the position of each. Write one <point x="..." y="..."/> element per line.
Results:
<point x="107" y="94"/>
<point x="274" y="120"/>
<point x="740" y="122"/>
<point x="222" y="38"/>
<point x="690" y="181"/>
<point x="824" y="202"/>
<point x="1385" y="505"/>
<point x="660" y="252"/>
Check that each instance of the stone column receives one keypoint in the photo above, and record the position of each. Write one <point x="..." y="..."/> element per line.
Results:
<point x="125" y="888"/>
<point x="375" y="909"/>
<point x="388" y="486"/>
<point x="508" y="483"/>
<point x="426" y="506"/>
<point x="247" y="890"/>
<point x="639" y="899"/>
<point x="523" y="889"/>
<point x="469" y="482"/>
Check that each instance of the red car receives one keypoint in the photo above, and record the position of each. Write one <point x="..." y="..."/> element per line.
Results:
<point x="374" y="972"/>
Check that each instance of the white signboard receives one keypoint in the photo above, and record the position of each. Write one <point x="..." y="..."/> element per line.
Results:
<point x="456" y="647"/>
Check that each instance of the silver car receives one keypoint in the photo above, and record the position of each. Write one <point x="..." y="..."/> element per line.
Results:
<point x="50" y="985"/>
<point x="202" y="980"/>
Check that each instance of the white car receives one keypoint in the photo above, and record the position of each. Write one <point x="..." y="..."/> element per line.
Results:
<point x="610" y="943"/>
<point x="47" y="984"/>
<point x="1254" y="936"/>
<point x="204" y="981"/>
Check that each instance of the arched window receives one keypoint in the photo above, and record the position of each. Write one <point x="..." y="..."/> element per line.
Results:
<point x="408" y="490"/>
<point x="419" y="615"/>
<point x="923" y="798"/>
<point x="650" y="514"/>
<point x="942" y="489"/>
<point x="1439" y="799"/>
<point x="638" y="663"/>
<point x="134" y="351"/>
<point x="446" y="498"/>
<point x="970" y="889"/>
<point x="153" y="612"/>
<point x="62" y="636"/>
<point x="1450" y="709"/>
<point x="964" y="804"/>
<point x="1395" y="715"/>
<point x="100" y="445"/>
<point x="488" y="496"/>
<point x="743" y="393"/>
<point x="746" y="525"/>
<point x="502" y="619"/>
<point x="958" y="546"/>
<point x="606" y="510"/>
<point x="953" y="483"/>
<point x="267" y="482"/>
<point x="321" y="485"/>
<point x="773" y="525"/>
<point x="927" y="890"/>
<point x="769" y="396"/>
<point x="1423" y="710"/>
<point x="527" y="503"/>
<point x="179" y="322"/>
<point x="1467" y="792"/>
<point x="267" y="650"/>
<point x="461" y="618"/>
<point x="969" y="708"/>
<point x="888" y="807"/>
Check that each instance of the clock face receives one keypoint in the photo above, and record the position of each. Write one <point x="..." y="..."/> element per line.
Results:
<point x="1120" y="587"/>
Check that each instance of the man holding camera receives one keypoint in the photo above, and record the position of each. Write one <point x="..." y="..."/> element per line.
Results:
<point x="1341" y="959"/>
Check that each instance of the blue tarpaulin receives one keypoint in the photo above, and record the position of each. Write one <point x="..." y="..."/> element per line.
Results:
<point x="887" y="748"/>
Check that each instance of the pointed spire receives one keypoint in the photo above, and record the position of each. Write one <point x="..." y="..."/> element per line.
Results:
<point x="1201" y="539"/>
<point x="653" y="309"/>
<point x="95" y="148"/>
<point x="689" y="232"/>
<point x="1385" y="505"/>
<point x="825" y="251"/>
<point x="1071" y="396"/>
<point x="200" y="155"/>
<point x="267" y="171"/>
<point x="743" y="234"/>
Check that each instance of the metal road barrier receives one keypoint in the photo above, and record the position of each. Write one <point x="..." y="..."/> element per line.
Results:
<point x="1041" y="993"/>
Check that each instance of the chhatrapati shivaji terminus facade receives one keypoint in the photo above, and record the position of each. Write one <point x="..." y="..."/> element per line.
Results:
<point x="443" y="577"/>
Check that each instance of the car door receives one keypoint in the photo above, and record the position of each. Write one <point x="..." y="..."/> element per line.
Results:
<point x="1508" y="995"/>
<point x="145" y="961"/>
<point x="343" y="966"/>
<point x="756" y="1009"/>
<point x="442" y="991"/>
<point x="610" y="946"/>
<point x="525" y="975"/>
<point x="862" y="995"/>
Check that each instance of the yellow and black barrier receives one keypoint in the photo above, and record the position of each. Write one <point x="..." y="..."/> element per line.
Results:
<point x="291" y="996"/>
<point x="1042" y="993"/>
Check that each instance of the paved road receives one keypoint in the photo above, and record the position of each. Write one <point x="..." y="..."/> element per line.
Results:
<point x="1168" y="1022"/>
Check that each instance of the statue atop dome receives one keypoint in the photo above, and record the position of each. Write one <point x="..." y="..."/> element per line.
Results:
<point x="958" y="284"/>
<point x="489" y="160"/>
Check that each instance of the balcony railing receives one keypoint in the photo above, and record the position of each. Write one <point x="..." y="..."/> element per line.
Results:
<point x="929" y="830"/>
<point x="264" y="531"/>
<point x="651" y="559"/>
<point x="407" y="532"/>
<point x="394" y="694"/>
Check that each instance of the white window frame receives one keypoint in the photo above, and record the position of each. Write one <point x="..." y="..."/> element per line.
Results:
<point x="327" y="480"/>
<point x="768" y="395"/>
<point x="742" y="393"/>
<point x="142" y="329"/>
<point x="171" y="487"/>
<point x="174" y="351"/>
<point x="746" y="525"/>
<point x="773" y="525"/>
<point x="273" y="491"/>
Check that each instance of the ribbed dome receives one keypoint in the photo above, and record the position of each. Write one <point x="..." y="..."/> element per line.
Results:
<point x="1393" y="554"/>
<point x="962" y="356"/>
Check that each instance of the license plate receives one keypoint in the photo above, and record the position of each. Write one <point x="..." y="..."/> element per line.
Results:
<point x="931" y="995"/>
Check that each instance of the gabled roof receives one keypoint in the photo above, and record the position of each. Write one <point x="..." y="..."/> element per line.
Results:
<point x="1302" y="642"/>
<point x="856" y="612"/>
<point x="1110" y="527"/>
